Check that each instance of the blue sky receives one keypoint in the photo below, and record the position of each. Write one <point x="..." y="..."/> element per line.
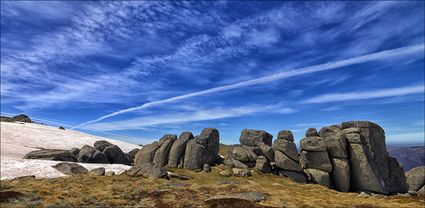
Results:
<point x="135" y="70"/>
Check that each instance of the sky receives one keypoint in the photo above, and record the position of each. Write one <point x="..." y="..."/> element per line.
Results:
<point x="136" y="70"/>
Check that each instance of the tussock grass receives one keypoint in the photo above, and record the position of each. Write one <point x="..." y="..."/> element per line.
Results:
<point x="121" y="190"/>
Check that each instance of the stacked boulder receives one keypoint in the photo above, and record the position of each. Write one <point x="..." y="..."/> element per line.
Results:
<point x="372" y="170"/>
<point x="286" y="157"/>
<point x="315" y="160"/>
<point x="336" y="146"/>
<point x="102" y="152"/>
<point x="254" y="151"/>
<point x="186" y="152"/>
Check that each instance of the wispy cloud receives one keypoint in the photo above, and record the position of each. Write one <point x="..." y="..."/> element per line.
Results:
<point x="363" y="95"/>
<point x="413" y="137"/>
<point x="186" y="117"/>
<point x="278" y="76"/>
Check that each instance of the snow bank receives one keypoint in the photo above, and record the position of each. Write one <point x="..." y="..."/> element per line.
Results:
<point x="17" y="139"/>
<point x="12" y="168"/>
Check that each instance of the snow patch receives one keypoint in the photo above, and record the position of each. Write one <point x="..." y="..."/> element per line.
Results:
<point x="17" y="139"/>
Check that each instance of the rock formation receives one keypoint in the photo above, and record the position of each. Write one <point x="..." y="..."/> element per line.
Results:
<point x="188" y="152"/>
<point x="372" y="170"/>
<point x="336" y="146"/>
<point x="254" y="151"/>
<point x="286" y="158"/>
<point x="315" y="160"/>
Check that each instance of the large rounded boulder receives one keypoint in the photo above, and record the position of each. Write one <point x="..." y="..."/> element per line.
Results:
<point x="416" y="178"/>
<point x="116" y="155"/>
<point x="146" y="154"/>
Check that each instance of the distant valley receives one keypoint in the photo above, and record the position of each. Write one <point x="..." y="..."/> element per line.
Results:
<point x="409" y="156"/>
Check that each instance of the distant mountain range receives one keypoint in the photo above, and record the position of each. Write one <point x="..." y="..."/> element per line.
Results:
<point x="409" y="156"/>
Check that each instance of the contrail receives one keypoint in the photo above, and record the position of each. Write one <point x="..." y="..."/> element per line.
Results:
<point x="278" y="76"/>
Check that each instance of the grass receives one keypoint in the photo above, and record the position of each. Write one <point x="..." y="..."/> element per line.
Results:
<point x="121" y="190"/>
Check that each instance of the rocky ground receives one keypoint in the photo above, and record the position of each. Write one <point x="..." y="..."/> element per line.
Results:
<point x="203" y="190"/>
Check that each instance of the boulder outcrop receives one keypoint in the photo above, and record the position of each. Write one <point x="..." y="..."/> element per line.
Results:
<point x="286" y="157"/>
<point x="188" y="152"/>
<point x="371" y="168"/>
<point x="315" y="160"/>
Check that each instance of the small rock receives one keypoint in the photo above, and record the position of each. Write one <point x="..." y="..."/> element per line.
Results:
<point x="249" y="196"/>
<point x="178" y="176"/>
<point x="177" y="184"/>
<point x="403" y="195"/>
<point x="25" y="177"/>
<point x="61" y="128"/>
<point x="413" y="193"/>
<point x="98" y="171"/>
<point x="109" y="173"/>
<point x="363" y="194"/>
<point x="225" y="173"/>
<point x="148" y="170"/>
<point x="207" y="168"/>
<point x="224" y="181"/>
<point x="377" y="195"/>
<point x="241" y="172"/>
<point x="70" y="168"/>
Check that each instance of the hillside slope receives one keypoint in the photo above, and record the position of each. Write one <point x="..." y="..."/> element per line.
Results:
<point x="17" y="139"/>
